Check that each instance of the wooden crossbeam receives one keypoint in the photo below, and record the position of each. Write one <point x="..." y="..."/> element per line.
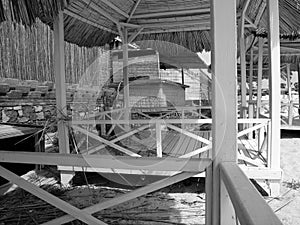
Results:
<point x="115" y="146"/>
<point x="105" y="161"/>
<point x="126" y="197"/>
<point x="153" y="121"/>
<point x="172" y="13"/>
<point x="133" y="10"/>
<point x="88" y="21"/>
<point x="189" y="134"/>
<point x="197" y="151"/>
<point x="176" y="24"/>
<point x="246" y="131"/>
<point x="128" y="134"/>
<point x="74" y="212"/>
<point x="100" y="10"/>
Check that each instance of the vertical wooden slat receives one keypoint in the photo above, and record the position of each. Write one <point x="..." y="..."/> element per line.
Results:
<point x="274" y="85"/>
<point x="224" y="83"/>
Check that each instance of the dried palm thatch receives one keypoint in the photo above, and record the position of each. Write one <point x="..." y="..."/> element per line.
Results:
<point x="87" y="25"/>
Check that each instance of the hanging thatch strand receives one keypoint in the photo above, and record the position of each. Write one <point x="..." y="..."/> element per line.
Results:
<point x="27" y="11"/>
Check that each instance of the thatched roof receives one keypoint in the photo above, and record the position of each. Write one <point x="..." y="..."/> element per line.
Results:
<point x="184" y="22"/>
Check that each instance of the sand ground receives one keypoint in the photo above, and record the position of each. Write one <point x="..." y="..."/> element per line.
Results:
<point x="287" y="205"/>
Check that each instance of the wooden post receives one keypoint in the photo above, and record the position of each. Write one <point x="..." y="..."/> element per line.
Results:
<point x="259" y="75"/>
<point x="158" y="139"/>
<point x="60" y="89"/>
<point x="242" y="45"/>
<point x="290" y="100"/>
<point x="224" y="127"/>
<point x="274" y="85"/>
<point x="250" y="103"/>
<point x="125" y="78"/>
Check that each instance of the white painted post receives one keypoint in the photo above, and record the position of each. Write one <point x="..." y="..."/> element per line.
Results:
<point x="60" y="89"/>
<point x="274" y="85"/>
<point x="158" y="139"/>
<point x="224" y="127"/>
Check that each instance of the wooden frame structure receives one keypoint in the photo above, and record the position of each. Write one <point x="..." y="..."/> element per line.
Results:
<point x="225" y="199"/>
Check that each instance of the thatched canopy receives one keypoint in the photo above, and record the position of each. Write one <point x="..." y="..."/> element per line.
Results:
<point x="184" y="22"/>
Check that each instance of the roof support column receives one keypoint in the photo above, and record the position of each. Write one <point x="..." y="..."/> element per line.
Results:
<point x="224" y="128"/>
<point x="60" y="89"/>
<point x="274" y="85"/>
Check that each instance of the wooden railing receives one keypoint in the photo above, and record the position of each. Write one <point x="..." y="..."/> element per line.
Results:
<point x="253" y="129"/>
<point x="249" y="206"/>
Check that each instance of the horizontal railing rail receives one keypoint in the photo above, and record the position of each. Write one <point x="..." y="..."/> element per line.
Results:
<point x="249" y="205"/>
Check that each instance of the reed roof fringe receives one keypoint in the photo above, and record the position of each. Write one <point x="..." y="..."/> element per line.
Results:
<point x="86" y="25"/>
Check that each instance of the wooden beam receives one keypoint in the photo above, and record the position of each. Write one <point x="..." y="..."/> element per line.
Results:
<point x="106" y="161"/>
<point x="88" y="21"/>
<point x="116" y="8"/>
<point x="126" y="94"/>
<point x="251" y="24"/>
<point x="134" y="35"/>
<point x="133" y="10"/>
<point x="189" y="134"/>
<point x="185" y="12"/>
<point x="176" y="24"/>
<point x="260" y="12"/>
<point x="196" y="28"/>
<point x="224" y="128"/>
<point x="130" y="25"/>
<point x="248" y="203"/>
<point x="259" y="75"/>
<point x="274" y="86"/>
<point x="109" y="143"/>
<point x="100" y="10"/>
<point x="251" y="102"/>
<point x="126" y="197"/>
<point x="119" y="138"/>
<point x="242" y="45"/>
<point x="153" y="121"/>
<point x="60" y="90"/>
<point x="60" y="82"/>
<point x="74" y="212"/>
